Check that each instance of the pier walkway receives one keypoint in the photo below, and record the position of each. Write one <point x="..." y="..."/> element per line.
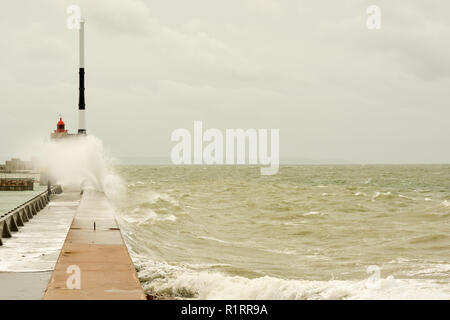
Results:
<point x="94" y="246"/>
<point x="28" y="256"/>
<point x="12" y="220"/>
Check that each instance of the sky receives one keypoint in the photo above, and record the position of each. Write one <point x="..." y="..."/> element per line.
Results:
<point x="337" y="91"/>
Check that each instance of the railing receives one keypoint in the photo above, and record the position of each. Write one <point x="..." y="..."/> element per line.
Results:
<point x="15" y="218"/>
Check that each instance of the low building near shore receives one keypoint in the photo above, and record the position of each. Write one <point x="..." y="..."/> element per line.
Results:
<point x="16" y="184"/>
<point x="17" y="165"/>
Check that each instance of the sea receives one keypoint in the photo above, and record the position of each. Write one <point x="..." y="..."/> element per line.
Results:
<point x="308" y="232"/>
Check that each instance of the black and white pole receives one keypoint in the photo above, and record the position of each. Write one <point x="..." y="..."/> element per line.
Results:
<point x="81" y="102"/>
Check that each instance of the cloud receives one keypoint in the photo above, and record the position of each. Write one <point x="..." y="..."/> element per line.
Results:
<point x="310" y="68"/>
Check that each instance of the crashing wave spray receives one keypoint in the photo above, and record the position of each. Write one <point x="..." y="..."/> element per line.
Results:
<point x="79" y="163"/>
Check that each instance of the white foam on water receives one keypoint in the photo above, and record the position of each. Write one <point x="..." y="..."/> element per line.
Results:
<point x="292" y="223"/>
<point x="142" y="216"/>
<point x="439" y="269"/>
<point x="285" y="251"/>
<point x="159" y="277"/>
<point x="405" y="197"/>
<point x="212" y="239"/>
<point x="205" y="265"/>
<point x="155" y="197"/>
<point x="378" y="194"/>
<point x="313" y="213"/>
<point x="158" y="217"/>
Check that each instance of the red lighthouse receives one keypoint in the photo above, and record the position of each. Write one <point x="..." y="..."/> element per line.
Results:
<point x="60" y="126"/>
<point x="60" y="131"/>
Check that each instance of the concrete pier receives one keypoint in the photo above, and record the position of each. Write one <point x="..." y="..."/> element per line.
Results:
<point x="28" y="258"/>
<point x="15" y="218"/>
<point x="95" y="248"/>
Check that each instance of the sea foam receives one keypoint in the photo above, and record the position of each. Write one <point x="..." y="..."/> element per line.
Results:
<point x="179" y="282"/>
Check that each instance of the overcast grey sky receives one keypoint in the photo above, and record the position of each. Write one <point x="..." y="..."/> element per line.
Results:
<point x="336" y="90"/>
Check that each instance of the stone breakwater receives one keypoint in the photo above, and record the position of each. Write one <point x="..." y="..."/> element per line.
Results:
<point x="11" y="221"/>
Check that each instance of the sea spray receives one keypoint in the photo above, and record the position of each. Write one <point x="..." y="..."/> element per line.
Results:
<point x="79" y="163"/>
<point x="178" y="282"/>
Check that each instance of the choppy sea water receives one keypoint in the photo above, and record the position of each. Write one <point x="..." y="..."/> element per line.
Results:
<point x="309" y="232"/>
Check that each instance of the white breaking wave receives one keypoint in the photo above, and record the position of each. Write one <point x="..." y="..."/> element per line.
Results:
<point x="141" y="216"/>
<point x="155" y="197"/>
<point x="173" y="281"/>
<point x="80" y="163"/>
<point x="446" y="203"/>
